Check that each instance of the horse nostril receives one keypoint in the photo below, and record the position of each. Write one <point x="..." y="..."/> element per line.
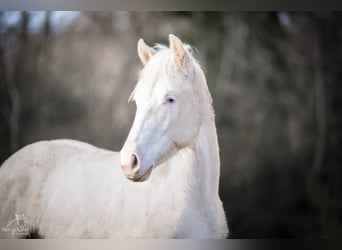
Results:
<point x="134" y="163"/>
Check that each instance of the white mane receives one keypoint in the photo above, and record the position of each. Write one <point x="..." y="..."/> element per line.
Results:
<point x="160" y="66"/>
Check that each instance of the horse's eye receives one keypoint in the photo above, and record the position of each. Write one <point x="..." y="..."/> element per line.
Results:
<point x="170" y="100"/>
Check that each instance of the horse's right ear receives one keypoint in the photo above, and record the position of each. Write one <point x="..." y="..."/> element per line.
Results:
<point x="145" y="52"/>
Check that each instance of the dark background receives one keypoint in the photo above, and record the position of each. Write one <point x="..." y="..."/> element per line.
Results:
<point x="274" y="76"/>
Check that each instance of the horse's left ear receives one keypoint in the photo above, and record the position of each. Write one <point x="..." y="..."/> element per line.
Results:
<point x="178" y="51"/>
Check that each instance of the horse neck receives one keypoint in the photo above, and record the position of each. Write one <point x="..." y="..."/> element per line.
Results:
<point x="196" y="168"/>
<point x="207" y="168"/>
<point x="206" y="148"/>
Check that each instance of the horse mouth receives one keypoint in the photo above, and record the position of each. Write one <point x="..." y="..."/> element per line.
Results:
<point x="142" y="177"/>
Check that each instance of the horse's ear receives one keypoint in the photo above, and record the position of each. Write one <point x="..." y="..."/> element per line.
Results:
<point x="178" y="51"/>
<point x="145" y="52"/>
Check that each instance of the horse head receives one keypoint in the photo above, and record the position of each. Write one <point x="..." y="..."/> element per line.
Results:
<point x="168" y="114"/>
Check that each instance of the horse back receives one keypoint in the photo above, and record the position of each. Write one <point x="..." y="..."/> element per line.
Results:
<point x="24" y="175"/>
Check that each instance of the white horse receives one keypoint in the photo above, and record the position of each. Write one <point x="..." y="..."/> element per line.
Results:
<point x="163" y="183"/>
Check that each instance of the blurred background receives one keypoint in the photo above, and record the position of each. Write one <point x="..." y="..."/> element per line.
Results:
<point x="275" y="78"/>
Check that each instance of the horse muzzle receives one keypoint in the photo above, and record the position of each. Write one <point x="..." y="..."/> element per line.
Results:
<point x="131" y="170"/>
